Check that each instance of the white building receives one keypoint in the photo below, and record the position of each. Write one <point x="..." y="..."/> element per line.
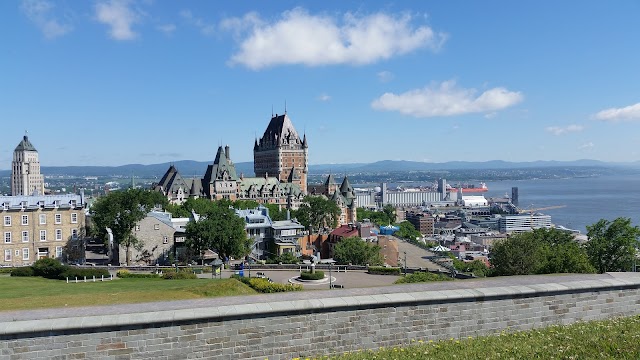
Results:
<point x="25" y="170"/>
<point x="522" y="223"/>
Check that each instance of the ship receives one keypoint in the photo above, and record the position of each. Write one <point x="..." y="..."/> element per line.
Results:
<point x="467" y="189"/>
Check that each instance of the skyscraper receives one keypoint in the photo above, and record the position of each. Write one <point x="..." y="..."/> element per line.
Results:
<point x="280" y="152"/>
<point x="25" y="170"/>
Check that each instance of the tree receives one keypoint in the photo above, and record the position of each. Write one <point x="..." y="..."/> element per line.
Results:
<point x="318" y="212"/>
<point x="407" y="231"/>
<point x="612" y="244"/>
<point x="542" y="251"/>
<point x="121" y="211"/>
<point x="354" y="250"/>
<point x="381" y="218"/>
<point x="218" y="229"/>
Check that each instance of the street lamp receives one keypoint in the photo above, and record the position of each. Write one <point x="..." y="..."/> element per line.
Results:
<point x="405" y="263"/>
<point x="330" y="280"/>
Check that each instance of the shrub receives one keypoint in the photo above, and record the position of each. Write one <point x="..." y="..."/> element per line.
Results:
<point x="308" y="275"/>
<point x="80" y="273"/>
<point x="422" y="277"/>
<point x="6" y="270"/>
<point x="265" y="286"/>
<point x="49" y="268"/>
<point x="172" y="275"/>
<point x="22" y="271"/>
<point x="125" y="274"/>
<point x="381" y="270"/>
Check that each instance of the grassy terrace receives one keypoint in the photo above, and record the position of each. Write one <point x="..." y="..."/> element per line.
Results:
<point x="22" y="293"/>
<point x="610" y="339"/>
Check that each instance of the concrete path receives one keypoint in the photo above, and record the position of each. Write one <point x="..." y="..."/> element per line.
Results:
<point x="417" y="256"/>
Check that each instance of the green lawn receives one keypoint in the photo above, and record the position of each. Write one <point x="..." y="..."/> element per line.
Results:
<point x="610" y="339"/>
<point x="20" y="293"/>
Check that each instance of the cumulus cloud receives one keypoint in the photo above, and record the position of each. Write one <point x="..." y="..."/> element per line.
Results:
<point x="205" y="28"/>
<point x="385" y="76"/>
<point x="561" y="130"/>
<point x="627" y="113"/>
<point x="446" y="99"/>
<point x="40" y="13"/>
<point x="168" y="29"/>
<point x="120" y="16"/>
<point x="298" y="37"/>
<point x="324" y="97"/>
<point x="586" y="146"/>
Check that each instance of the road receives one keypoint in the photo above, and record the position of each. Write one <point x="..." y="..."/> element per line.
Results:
<point x="416" y="256"/>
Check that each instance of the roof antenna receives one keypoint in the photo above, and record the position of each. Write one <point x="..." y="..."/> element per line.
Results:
<point x="285" y="107"/>
<point x="272" y="110"/>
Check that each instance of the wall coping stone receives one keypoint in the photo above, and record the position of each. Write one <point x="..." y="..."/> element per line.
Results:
<point x="216" y="309"/>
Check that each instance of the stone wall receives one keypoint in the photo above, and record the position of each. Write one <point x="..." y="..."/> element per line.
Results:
<point x="314" y="323"/>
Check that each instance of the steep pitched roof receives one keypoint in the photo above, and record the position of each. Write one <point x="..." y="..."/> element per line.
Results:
<point x="280" y="127"/>
<point x="25" y="145"/>
<point x="172" y="180"/>
<point x="346" y="189"/>
<point x="293" y="175"/>
<point x="330" y="181"/>
<point x="221" y="165"/>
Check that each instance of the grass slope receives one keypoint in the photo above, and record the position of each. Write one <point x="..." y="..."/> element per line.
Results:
<point x="34" y="292"/>
<point x="609" y="339"/>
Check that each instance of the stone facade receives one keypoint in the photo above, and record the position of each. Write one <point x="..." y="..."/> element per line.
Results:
<point x="344" y="196"/>
<point x="308" y="324"/>
<point x="25" y="170"/>
<point x="34" y="227"/>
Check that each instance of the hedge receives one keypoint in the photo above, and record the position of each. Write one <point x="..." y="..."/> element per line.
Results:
<point x="172" y="275"/>
<point x="422" y="277"/>
<point x="125" y="274"/>
<point x="308" y="275"/>
<point x="49" y="268"/>
<point x="81" y="273"/>
<point x="381" y="270"/>
<point x="264" y="286"/>
<point x="22" y="271"/>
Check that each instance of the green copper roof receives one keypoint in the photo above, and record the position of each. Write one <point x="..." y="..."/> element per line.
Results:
<point x="25" y="145"/>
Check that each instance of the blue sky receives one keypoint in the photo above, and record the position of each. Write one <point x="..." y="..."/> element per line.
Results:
<point x="118" y="82"/>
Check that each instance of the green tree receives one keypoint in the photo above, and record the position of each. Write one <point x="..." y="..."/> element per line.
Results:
<point x="121" y="211"/>
<point x="218" y="229"/>
<point x="476" y="267"/>
<point x="276" y="213"/>
<point x="407" y="231"/>
<point x="317" y="212"/>
<point x="354" y="250"/>
<point x="381" y="218"/>
<point x="542" y="251"/>
<point x="612" y="244"/>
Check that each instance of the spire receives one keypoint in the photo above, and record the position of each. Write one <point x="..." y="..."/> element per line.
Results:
<point x="346" y="189"/>
<point x="255" y="146"/>
<point x="304" y="141"/>
<point x="193" y="191"/>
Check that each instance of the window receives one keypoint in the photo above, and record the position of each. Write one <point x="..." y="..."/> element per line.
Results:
<point x="58" y="218"/>
<point x="7" y="255"/>
<point x="74" y="234"/>
<point x="7" y="238"/>
<point x="25" y="236"/>
<point x="74" y="218"/>
<point x="43" y="219"/>
<point x="58" y="234"/>
<point x="25" y="253"/>
<point x="43" y="235"/>
<point x="165" y="240"/>
<point x="7" y="221"/>
<point x="25" y="219"/>
<point x="156" y="227"/>
<point x="58" y="252"/>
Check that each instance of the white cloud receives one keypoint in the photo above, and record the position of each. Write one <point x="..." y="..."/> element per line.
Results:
<point x="560" y="130"/>
<point x="205" y="28"/>
<point x="324" y="97"/>
<point x="119" y="16"/>
<point x="168" y="29"/>
<point x="39" y="12"/>
<point x="627" y="113"/>
<point x="586" y="146"/>
<point x="298" y="37"/>
<point x="385" y="76"/>
<point x="446" y="99"/>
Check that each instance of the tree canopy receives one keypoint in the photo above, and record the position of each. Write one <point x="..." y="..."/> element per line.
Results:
<point x="542" y="251"/>
<point x="382" y="218"/>
<point x="120" y="211"/>
<point x="407" y="231"/>
<point x="612" y="244"/>
<point x="354" y="250"/>
<point x="219" y="229"/>
<point x="318" y="212"/>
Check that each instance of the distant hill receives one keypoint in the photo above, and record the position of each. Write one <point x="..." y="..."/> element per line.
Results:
<point x="190" y="168"/>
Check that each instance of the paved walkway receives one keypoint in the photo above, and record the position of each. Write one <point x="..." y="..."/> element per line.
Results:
<point x="417" y="256"/>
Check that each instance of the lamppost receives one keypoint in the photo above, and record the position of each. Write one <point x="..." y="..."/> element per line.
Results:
<point x="405" y="263"/>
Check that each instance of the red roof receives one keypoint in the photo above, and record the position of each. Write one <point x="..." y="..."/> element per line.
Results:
<point x="345" y="231"/>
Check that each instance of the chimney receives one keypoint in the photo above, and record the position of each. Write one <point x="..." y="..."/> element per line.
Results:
<point x="226" y="152"/>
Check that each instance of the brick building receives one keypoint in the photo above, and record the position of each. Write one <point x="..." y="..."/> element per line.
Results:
<point x="423" y="222"/>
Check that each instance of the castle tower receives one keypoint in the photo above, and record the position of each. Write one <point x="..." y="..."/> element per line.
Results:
<point x="25" y="170"/>
<point x="281" y="151"/>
